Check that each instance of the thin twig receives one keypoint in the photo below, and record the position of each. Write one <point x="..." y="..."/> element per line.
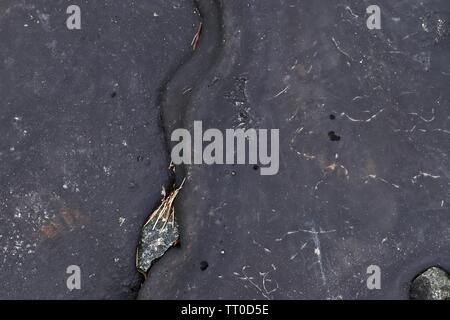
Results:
<point x="197" y="35"/>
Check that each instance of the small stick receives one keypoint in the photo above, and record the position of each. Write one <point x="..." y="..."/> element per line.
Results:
<point x="165" y="211"/>
<point x="196" y="38"/>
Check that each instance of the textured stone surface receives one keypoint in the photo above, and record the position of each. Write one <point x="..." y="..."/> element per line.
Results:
<point x="364" y="139"/>
<point x="82" y="152"/>
<point x="432" y="284"/>
<point x="377" y="195"/>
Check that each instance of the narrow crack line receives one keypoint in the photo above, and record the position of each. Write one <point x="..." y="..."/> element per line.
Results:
<point x="176" y="91"/>
<point x="174" y="95"/>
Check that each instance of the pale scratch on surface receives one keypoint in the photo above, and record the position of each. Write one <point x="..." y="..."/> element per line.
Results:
<point x="316" y="186"/>
<point x="293" y="115"/>
<point x="281" y="92"/>
<point x="297" y="253"/>
<point x="265" y="281"/>
<point x="351" y="12"/>
<point x="407" y="130"/>
<point x="442" y="130"/>
<point x="422" y="118"/>
<point x="424" y="175"/>
<point x="343" y="114"/>
<point x="295" y="135"/>
<point x="374" y="177"/>
<point x="294" y="65"/>
<point x="306" y="156"/>
<point x="359" y="98"/>
<point x="292" y="145"/>
<point x="312" y="231"/>
<point x="332" y="167"/>
<point x="317" y="252"/>
<point x="340" y="50"/>
<point x="267" y="250"/>
<point x="317" y="248"/>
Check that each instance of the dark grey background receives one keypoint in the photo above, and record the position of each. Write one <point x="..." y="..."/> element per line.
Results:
<point x="379" y="196"/>
<point x="82" y="146"/>
<point x="82" y="152"/>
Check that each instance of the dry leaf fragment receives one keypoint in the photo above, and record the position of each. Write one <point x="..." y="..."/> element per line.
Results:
<point x="159" y="233"/>
<point x="197" y="35"/>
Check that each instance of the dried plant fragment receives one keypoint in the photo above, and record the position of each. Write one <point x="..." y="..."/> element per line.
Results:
<point x="196" y="38"/>
<point x="159" y="233"/>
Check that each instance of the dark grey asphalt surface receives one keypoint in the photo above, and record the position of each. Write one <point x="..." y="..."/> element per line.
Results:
<point x="82" y="152"/>
<point x="378" y="196"/>
<point x="84" y="157"/>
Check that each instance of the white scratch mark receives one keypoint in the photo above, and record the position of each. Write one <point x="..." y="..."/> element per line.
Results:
<point x="332" y="167"/>
<point x="442" y="130"/>
<point x="267" y="250"/>
<point x="340" y="50"/>
<point x="407" y="131"/>
<point x="317" y="252"/>
<point x="425" y="175"/>
<point x="351" y="12"/>
<point x="295" y="135"/>
<point x="316" y="187"/>
<point x="359" y="98"/>
<point x="343" y="114"/>
<point x="422" y="118"/>
<point x="294" y="115"/>
<point x="297" y="253"/>
<point x="306" y="156"/>
<point x="313" y="231"/>
<point x="281" y="92"/>
<point x="265" y="281"/>
<point x="374" y="177"/>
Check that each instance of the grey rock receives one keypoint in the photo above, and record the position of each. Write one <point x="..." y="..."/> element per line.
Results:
<point x="159" y="233"/>
<point x="432" y="284"/>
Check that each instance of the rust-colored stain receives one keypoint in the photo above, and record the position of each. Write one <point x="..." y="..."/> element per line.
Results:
<point x="370" y="167"/>
<point x="67" y="219"/>
<point x="48" y="231"/>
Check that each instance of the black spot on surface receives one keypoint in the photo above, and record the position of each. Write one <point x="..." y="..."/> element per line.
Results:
<point x="255" y="167"/>
<point x="139" y="158"/>
<point x="332" y="117"/>
<point x="113" y="95"/>
<point x="204" y="265"/>
<point x="244" y="115"/>
<point x="333" y="136"/>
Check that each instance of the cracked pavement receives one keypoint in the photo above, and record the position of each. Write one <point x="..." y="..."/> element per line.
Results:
<point x="86" y="118"/>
